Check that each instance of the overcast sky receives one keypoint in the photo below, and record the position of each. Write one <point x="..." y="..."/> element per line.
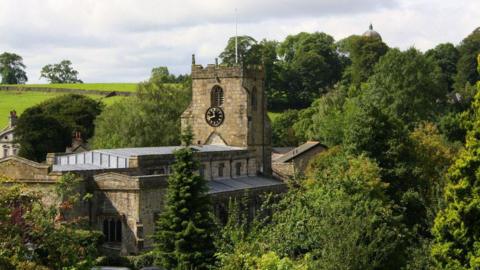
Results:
<point x="121" y="40"/>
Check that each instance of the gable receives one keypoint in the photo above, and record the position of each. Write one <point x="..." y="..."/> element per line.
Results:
<point x="215" y="139"/>
<point x="23" y="169"/>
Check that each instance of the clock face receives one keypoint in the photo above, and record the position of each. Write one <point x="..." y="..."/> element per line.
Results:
<point x="214" y="116"/>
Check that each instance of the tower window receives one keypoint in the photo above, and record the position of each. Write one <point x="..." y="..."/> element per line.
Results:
<point x="254" y="99"/>
<point x="217" y="96"/>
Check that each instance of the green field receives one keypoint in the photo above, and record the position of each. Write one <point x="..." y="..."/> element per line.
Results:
<point x="107" y="87"/>
<point x="19" y="101"/>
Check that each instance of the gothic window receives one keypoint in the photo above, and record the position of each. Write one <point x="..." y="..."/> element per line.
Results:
<point x="112" y="230"/>
<point x="221" y="166"/>
<point x="254" y="99"/>
<point x="5" y="152"/>
<point x="216" y="96"/>
<point x="238" y="168"/>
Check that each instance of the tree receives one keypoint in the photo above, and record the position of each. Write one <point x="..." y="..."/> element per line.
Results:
<point x="244" y="45"/>
<point x="339" y="218"/>
<point x="446" y="57"/>
<point x="62" y="72"/>
<point x="151" y="118"/>
<point x="326" y="119"/>
<point x="456" y="227"/>
<point x="310" y="66"/>
<point x="467" y="73"/>
<point x="283" y="133"/>
<point x="12" y="69"/>
<point x="406" y="85"/>
<point x="161" y="75"/>
<point x="48" y="126"/>
<point x="364" y="53"/>
<point x="184" y="231"/>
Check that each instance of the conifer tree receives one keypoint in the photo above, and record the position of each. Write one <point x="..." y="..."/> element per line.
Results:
<point x="457" y="227"/>
<point x="184" y="231"/>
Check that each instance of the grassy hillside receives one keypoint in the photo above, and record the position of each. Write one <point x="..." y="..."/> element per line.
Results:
<point x="19" y="101"/>
<point x="108" y="87"/>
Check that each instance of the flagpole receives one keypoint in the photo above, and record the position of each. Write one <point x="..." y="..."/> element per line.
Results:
<point x="236" y="38"/>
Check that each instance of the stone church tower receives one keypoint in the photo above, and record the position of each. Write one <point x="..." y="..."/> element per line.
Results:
<point x="229" y="108"/>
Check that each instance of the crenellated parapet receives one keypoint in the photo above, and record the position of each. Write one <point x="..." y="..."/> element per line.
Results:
<point x="223" y="71"/>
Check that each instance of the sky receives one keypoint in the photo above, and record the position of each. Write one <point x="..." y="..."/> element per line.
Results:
<point x="122" y="40"/>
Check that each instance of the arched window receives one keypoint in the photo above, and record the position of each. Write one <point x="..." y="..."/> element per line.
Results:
<point x="254" y="99"/>
<point x="216" y="96"/>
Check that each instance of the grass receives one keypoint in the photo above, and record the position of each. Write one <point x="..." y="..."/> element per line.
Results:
<point x="20" y="101"/>
<point x="107" y="87"/>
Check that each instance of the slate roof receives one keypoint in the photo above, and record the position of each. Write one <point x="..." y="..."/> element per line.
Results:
<point x="118" y="158"/>
<point x="242" y="183"/>
<point x="298" y="151"/>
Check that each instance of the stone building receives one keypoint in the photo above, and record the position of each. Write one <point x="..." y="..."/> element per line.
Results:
<point x="7" y="145"/>
<point x="232" y="141"/>
<point x="295" y="161"/>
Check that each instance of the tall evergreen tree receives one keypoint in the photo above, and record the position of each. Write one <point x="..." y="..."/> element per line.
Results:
<point x="184" y="231"/>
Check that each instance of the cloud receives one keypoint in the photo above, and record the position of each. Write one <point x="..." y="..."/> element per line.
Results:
<point x="121" y="40"/>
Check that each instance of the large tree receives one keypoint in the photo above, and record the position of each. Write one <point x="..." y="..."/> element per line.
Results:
<point x="364" y="53"/>
<point x="242" y="50"/>
<point x="151" y="118"/>
<point x="467" y="72"/>
<point x="407" y="86"/>
<point x="12" y="69"/>
<point x="62" y="72"/>
<point x="48" y="126"/>
<point x="446" y="56"/>
<point x="310" y="66"/>
<point x="184" y="231"/>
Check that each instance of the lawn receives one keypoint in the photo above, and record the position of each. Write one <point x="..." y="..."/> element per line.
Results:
<point x="20" y="101"/>
<point x="107" y="87"/>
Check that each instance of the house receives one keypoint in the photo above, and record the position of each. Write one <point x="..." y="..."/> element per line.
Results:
<point x="8" y="147"/>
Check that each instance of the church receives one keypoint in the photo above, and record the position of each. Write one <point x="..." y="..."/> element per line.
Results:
<point x="232" y="140"/>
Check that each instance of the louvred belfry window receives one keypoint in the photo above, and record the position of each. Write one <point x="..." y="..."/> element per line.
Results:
<point x="217" y="96"/>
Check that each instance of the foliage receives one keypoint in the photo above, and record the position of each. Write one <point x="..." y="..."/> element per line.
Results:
<point x="62" y="72"/>
<point x="326" y="119"/>
<point x="364" y="53"/>
<point x="456" y="227"/>
<point x="310" y="66"/>
<point x="406" y="85"/>
<point x="12" y="69"/>
<point x="446" y="56"/>
<point x="151" y="118"/>
<point x="184" y="231"/>
<point x="283" y="133"/>
<point x="162" y="75"/>
<point x="244" y="46"/>
<point x="48" y="126"/>
<point x="33" y="237"/>
<point x="467" y="73"/>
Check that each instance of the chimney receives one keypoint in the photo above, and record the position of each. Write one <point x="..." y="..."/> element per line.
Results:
<point x="77" y="139"/>
<point x="13" y="118"/>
